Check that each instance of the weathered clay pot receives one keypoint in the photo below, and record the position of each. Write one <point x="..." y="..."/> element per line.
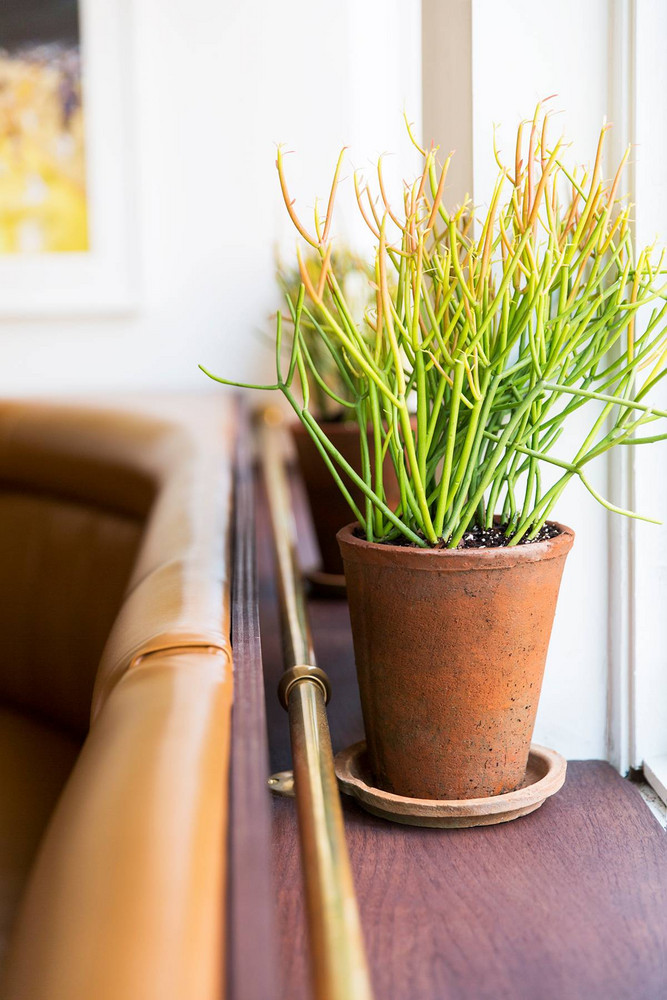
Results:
<point x="329" y="508"/>
<point x="450" y="648"/>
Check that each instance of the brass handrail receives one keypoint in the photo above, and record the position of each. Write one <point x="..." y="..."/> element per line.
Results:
<point x="338" y="958"/>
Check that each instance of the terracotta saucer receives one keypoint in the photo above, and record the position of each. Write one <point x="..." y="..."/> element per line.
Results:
<point x="326" y="584"/>
<point x="545" y="775"/>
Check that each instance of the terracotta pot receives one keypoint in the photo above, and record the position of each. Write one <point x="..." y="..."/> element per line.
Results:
<point x="329" y="509"/>
<point x="450" y="648"/>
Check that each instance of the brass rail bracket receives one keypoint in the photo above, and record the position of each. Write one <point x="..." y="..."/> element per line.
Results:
<point x="297" y="675"/>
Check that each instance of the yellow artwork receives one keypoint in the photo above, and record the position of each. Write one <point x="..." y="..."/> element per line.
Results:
<point x="43" y="206"/>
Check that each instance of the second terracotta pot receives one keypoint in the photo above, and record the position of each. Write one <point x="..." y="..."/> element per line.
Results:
<point x="329" y="509"/>
<point x="450" y="647"/>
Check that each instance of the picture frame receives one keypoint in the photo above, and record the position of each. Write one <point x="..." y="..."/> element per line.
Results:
<point x="101" y="281"/>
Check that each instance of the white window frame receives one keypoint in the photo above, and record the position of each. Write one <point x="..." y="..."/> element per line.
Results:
<point x="647" y="675"/>
<point x="637" y="570"/>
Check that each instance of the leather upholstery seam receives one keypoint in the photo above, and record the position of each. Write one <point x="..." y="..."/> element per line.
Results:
<point x="181" y="647"/>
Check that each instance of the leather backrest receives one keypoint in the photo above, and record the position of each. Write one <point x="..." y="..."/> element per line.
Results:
<point x="175" y="595"/>
<point x="64" y="567"/>
<point x="110" y="497"/>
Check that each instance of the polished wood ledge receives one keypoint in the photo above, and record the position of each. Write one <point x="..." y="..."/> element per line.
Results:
<point x="569" y="903"/>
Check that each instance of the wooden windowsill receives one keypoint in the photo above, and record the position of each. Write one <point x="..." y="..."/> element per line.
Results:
<point x="567" y="903"/>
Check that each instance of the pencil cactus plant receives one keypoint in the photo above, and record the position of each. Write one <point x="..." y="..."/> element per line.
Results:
<point x="493" y="332"/>
<point x="355" y="278"/>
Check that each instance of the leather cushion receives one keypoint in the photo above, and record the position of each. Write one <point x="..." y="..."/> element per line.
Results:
<point x="125" y="901"/>
<point x="35" y="762"/>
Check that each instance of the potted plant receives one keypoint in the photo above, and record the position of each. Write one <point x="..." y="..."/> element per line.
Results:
<point x="332" y="397"/>
<point x="501" y="332"/>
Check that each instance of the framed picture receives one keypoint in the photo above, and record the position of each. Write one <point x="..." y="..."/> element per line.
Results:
<point x="66" y="245"/>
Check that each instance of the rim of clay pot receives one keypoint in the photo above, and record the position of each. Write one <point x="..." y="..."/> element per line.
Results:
<point x="355" y="549"/>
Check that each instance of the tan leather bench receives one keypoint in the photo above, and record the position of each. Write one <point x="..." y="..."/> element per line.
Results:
<point x="114" y="608"/>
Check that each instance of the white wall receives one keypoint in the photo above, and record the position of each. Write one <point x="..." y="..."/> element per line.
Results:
<point x="213" y="85"/>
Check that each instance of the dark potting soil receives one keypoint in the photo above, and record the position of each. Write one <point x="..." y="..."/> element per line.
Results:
<point x="495" y="537"/>
<point x="477" y="537"/>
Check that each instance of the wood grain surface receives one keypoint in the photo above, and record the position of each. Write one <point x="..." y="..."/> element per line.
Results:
<point x="569" y="903"/>
<point x="251" y="941"/>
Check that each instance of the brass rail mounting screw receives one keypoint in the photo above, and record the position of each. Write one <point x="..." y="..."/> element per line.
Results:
<point x="282" y="783"/>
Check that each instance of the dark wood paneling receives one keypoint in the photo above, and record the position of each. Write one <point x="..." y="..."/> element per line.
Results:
<point x="569" y="903"/>
<point x="251" y="964"/>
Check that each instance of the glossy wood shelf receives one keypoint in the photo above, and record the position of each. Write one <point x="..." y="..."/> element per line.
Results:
<point x="569" y="903"/>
